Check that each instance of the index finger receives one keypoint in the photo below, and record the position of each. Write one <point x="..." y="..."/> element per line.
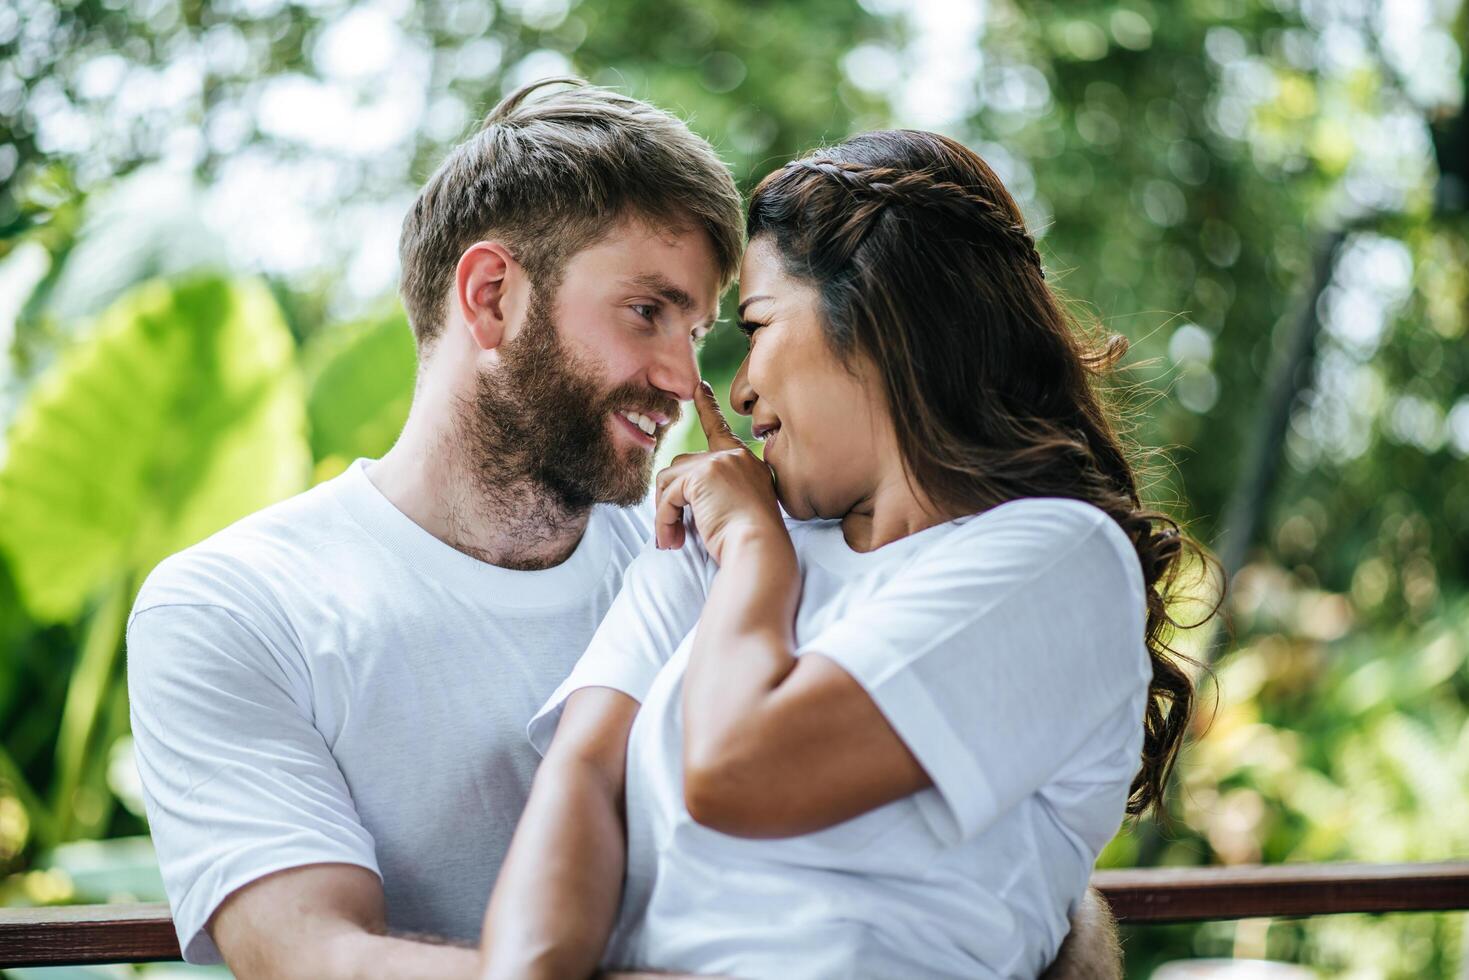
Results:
<point x="716" y="429"/>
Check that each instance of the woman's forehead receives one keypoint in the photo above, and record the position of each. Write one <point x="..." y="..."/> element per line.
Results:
<point x="763" y="274"/>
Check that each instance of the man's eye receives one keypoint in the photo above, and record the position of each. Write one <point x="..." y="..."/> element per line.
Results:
<point x="645" y="310"/>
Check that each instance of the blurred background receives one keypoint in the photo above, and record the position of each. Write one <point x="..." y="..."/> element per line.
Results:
<point x="199" y="206"/>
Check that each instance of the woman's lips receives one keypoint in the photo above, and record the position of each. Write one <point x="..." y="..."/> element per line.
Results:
<point x="766" y="433"/>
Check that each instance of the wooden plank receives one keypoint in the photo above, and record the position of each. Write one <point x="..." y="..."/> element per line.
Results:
<point x="64" y="935"/>
<point x="1196" y="894"/>
<point x="74" y="934"/>
<point x="68" y="935"/>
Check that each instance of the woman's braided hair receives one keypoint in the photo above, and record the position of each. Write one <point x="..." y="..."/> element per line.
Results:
<point x="877" y="188"/>
<point x="923" y="265"/>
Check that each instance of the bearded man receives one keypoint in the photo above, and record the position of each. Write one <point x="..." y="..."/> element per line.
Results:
<point x="329" y="697"/>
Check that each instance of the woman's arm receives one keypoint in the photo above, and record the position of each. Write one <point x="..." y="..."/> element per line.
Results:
<point x="773" y="745"/>
<point x="982" y="672"/>
<point x="555" y="901"/>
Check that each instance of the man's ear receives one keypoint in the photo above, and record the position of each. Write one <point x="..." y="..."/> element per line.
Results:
<point x="482" y="288"/>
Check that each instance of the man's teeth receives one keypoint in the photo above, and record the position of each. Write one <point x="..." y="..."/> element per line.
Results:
<point x="642" y="422"/>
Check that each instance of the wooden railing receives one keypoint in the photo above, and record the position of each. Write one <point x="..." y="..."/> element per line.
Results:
<point x="138" y="933"/>
<point x="75" y="934"/>
<point x="1160" y="895"/>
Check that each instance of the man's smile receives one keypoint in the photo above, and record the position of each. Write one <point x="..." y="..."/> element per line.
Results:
<point x="641" y="429"/>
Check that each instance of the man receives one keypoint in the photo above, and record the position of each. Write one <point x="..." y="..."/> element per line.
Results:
<point x="329" y="697"/>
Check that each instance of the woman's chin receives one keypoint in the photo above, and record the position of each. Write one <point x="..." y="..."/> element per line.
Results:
<point x="795" y="503"/>
<point x="784" y="499"/>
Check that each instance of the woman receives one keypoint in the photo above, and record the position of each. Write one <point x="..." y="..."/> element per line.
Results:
<point x="887" y="738"/>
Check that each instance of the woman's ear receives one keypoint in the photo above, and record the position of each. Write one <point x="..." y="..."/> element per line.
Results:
<point x="482" y="291"/>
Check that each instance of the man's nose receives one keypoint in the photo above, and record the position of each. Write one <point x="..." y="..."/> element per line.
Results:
<point x="676" y="368"/>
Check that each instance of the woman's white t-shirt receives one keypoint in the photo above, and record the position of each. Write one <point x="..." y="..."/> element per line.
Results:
<point x="1006" y="649"/>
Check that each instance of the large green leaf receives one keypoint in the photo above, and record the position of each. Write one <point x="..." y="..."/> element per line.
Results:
<point x="181" y="411"/>
<point x="361" y="383"/>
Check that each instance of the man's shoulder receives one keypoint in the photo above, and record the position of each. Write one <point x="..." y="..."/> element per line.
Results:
<point x="234" y="566"/>
<point x="632" y="525"/>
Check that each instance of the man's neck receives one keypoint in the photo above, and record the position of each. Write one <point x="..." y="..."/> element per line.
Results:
<point x="502" y="519"/>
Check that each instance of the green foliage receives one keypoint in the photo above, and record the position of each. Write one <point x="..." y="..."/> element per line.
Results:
<point x="1319" y="744"/>
<point x="182" y="409"/>
<point x="179" y="412"/>
<point x="361" y="381"/>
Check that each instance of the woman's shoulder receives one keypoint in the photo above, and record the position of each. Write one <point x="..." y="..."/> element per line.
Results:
<point x="1046" y="532"/>
<point x="1062" y="514"/>
<point x="1039" y="526"/>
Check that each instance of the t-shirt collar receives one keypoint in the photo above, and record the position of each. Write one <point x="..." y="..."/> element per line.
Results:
<point x="583" y="571"/>
<point x="828" y="546"/>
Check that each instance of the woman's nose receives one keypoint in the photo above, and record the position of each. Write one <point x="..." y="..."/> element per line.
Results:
<point x="742" y="397"/>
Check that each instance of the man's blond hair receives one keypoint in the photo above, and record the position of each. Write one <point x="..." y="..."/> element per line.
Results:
<point x="552" y="175"/>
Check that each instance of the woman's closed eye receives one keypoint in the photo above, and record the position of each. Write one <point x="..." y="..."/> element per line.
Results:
<point x="748" y="328"/>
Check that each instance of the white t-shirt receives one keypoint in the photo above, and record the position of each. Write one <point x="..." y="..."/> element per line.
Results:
<point x="325" y="681"/>
<point x="1007" y="651"/>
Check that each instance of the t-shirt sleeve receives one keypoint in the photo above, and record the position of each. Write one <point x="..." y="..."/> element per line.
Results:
<point x="662" y="595"/>
<point x="237" y="780"/>
<point x="1000" y="653"/>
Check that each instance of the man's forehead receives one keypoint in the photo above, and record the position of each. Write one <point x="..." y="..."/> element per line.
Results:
<point x="681" y="255"/>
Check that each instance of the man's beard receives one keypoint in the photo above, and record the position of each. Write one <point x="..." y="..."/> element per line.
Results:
<point x="543" y="417"/>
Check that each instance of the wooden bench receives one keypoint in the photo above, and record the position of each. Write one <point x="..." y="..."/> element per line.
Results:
<point x="69" y="935"/>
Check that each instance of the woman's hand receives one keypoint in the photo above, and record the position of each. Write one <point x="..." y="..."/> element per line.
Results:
<point x="729" y="489"/>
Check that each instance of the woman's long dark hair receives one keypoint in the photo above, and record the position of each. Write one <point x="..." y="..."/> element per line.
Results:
<point x="923" y="265"/>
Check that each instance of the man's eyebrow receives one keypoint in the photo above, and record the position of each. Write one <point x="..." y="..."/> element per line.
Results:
<point x="747" y="302"/>
<point x="666" y="289"/>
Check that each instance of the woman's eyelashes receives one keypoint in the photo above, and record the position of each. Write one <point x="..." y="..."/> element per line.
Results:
<point x="748" y="328"/>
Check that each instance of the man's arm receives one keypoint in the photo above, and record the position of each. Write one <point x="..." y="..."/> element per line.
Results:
<point x="1092" y="949"/>
<point x="556" y="899"/>
<point x="259" y="842"/>
<point x="323" y="921"/>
